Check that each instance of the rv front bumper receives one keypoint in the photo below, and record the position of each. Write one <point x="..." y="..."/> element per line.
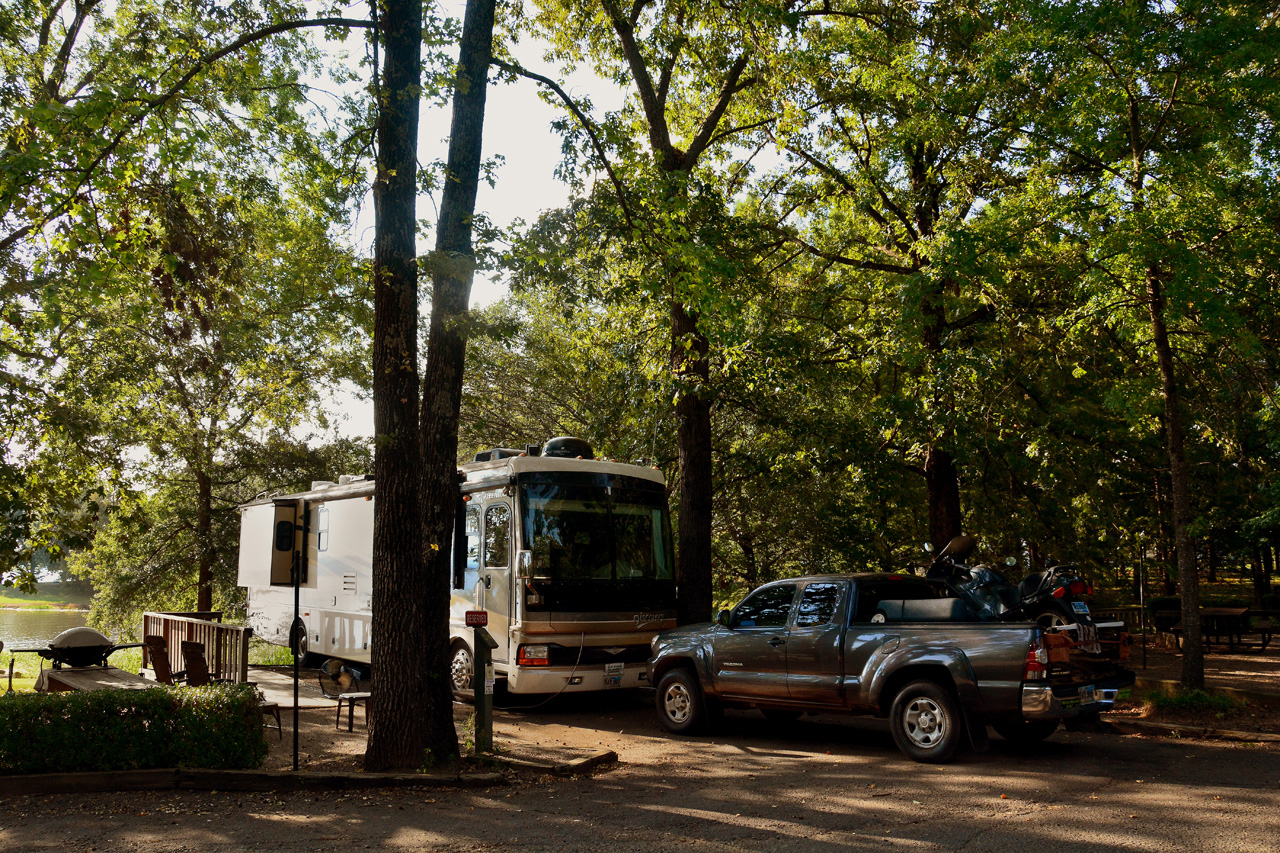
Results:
<point x="567" y="679"/>
<point x="1057" y="702"/>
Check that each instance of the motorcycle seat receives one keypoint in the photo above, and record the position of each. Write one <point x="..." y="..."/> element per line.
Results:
<point x="1031" y="584"/>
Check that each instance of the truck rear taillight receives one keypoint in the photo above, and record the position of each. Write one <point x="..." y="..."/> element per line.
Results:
<point x="533" y="655"/>
<point x="1036" y="666"/>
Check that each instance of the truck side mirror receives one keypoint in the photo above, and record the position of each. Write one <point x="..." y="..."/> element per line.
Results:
<point x="723" y="618"/>
<point x="284" y="535"/>
<point x="524" y="565"/>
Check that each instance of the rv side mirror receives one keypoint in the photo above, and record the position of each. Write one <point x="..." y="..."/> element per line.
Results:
<point x="524" y="565"/>
<point x="284" y="535"/>
<point x="723" y="618"/>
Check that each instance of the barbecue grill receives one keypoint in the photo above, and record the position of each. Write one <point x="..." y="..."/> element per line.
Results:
<point x="80" y="647"/>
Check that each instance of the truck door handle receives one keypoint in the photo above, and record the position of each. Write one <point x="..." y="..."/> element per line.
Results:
<point x="488" y="582"/>
<point x="777" y="641"/>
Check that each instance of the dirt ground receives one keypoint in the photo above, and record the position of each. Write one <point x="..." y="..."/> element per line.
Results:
<point x="535" y="733"/>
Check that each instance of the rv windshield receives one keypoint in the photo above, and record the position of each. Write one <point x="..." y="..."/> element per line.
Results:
<point x="595" y="526"/>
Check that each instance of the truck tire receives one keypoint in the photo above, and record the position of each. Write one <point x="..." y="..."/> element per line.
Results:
<point x="926" y="722"/>
<point x="679" y="702"/>
<point x="1025" y="732"/>
<point x="462" y="666"/>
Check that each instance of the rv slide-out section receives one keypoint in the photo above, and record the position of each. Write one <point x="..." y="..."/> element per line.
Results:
<point x="570" y="557"/>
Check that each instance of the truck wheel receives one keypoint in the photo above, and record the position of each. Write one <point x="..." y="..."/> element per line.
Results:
<point x="926" y="722"/>
<point x="679" y="702"/>
<point x="462" y="666"/>
<point x="1025" y="732"/>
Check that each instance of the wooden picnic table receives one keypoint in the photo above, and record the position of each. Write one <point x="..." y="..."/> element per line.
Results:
<point x="1231" y="623"/>
<point x="85" y="678"/>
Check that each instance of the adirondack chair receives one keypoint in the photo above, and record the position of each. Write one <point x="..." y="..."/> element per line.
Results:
<point x="158" y="654"/>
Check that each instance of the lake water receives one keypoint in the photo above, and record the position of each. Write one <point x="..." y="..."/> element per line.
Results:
<point x="33" y="629"/>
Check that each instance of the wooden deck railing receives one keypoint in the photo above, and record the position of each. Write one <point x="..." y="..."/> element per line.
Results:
<point x="226" y="647"/>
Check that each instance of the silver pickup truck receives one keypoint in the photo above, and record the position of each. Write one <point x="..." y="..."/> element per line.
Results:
<point x="883" y="644"/>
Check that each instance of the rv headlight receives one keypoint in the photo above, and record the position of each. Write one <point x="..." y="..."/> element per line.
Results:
<point x="533" y="655"/>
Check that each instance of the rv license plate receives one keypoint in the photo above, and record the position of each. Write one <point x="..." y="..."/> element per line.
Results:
<point x="613" y="675"/>
<point x="1088" y="695"/>
<point x="1080" y="607"/>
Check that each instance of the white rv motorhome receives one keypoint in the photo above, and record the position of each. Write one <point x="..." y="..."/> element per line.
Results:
<point x="571" y="557"/>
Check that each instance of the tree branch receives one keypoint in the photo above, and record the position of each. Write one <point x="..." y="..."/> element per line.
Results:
<point x="596" y="144"/>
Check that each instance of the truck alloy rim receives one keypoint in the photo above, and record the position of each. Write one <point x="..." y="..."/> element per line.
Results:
<point x="925" y="722"/>
<point x="676" y="701"/>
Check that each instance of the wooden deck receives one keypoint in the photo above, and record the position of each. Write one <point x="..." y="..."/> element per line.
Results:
<point x="85" y="678"/>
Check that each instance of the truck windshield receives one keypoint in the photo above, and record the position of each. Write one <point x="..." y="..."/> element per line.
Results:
<point x="595" y="526"/>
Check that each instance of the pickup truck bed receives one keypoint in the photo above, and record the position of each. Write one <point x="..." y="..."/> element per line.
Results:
<point x="889" y="645"/>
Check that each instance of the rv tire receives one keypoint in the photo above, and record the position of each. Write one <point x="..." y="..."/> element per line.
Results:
<point x="462" y="665"/>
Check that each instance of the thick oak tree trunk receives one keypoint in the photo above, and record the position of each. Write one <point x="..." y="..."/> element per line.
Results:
<point x="1179" y="476"/>
<point x="943" y="482"/>
<point x="400" y="591"/>
<point x="690" y="364"/>
<point x="453" y="267"/>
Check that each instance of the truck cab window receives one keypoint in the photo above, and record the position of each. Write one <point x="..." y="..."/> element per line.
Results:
<point x="496" y="536"/>
<point x="766" y="608"/>
<point x="818" y="604"/>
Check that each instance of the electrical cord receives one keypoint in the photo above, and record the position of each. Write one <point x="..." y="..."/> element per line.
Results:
<point x="582" y="643"/>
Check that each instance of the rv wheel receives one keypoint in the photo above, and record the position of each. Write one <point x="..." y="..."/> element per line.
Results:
<point x="462" y="667"/>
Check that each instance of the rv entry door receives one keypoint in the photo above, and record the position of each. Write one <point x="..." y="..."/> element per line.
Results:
<point x="496" y="576"/>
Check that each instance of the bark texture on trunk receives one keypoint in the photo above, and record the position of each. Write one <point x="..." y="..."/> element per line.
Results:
<point x="943" y="483"/>
<point x="690" y="363"/>
<point x="204" y="540"/>
<point x="1180" y="492"/>
<point x="453" y="268"/>
<point x="396" y="739"/>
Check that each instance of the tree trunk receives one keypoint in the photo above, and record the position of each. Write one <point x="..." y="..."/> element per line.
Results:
<point x="944" y="497"/>
<point x="1179" y="476"/>
<point x="1259" y="576"/>
<point x="399" y="590"/>
<point x="690" y="364"/>
<point x="453" y="268"/>
<point x="204" y="541"/>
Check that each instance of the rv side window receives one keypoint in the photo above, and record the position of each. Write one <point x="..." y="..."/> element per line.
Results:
<point x="322" y="529"/>
<point x="496" y="520"/>
<point x="473" y="537"/>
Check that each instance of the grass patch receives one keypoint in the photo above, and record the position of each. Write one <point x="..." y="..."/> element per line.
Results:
<point x="48" y="596"/>
<point x="262" y="653"/>
<point x="1197" y="702"/>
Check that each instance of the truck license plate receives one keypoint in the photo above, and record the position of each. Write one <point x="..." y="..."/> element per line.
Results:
<point x="1080" y="607"/>
<point x="611" y="681"/>
<point x="1088" y="695"/>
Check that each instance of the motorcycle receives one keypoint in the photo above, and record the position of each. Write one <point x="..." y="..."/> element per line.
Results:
<point x="1054" y="599"/>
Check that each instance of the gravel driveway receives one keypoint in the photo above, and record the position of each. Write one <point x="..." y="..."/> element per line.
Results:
<point x="822" y="783"/>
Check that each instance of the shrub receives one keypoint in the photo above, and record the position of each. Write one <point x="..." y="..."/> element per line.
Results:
<point x="217" y="727"/>
<point x="1196" y="702"/>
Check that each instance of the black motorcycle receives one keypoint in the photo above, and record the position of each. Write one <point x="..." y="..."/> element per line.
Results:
<point x="1053" y="599"/>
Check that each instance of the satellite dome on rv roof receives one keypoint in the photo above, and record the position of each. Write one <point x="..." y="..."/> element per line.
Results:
<point x="568" y="446"/>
